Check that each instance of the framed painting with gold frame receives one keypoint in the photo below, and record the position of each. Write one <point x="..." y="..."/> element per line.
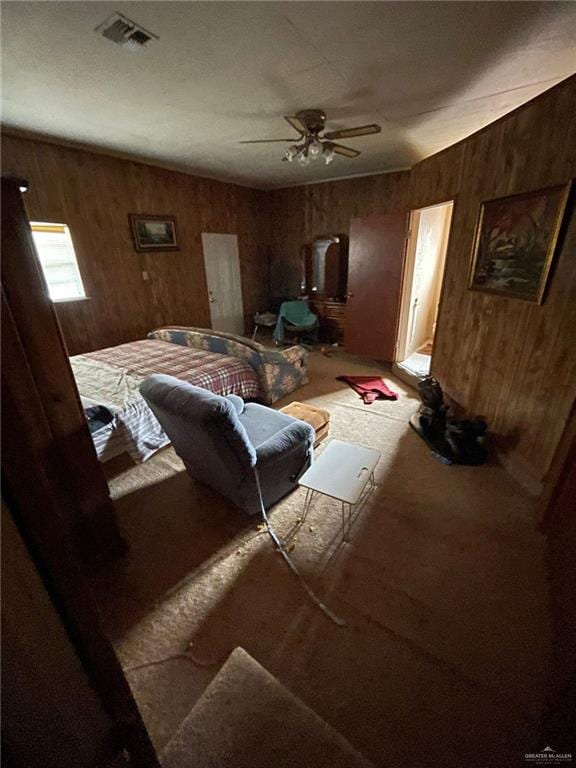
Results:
<point x="153" y="233"/>
<point x="515" y="241"/>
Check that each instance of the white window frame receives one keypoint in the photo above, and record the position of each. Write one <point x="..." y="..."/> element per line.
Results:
<point x="72" y="262"/>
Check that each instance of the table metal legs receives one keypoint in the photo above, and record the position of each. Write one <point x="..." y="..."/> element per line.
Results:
<point x="348" y="510"/>
<point x="347" y="520"/>
<point x="307" y="503"/>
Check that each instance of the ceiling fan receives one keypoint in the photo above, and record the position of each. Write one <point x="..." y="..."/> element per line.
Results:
<point x="310" y="145"/>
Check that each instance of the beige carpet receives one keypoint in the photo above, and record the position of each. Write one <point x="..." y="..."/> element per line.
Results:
<point x="247" y="719"/>
<point x="443" y="659"/>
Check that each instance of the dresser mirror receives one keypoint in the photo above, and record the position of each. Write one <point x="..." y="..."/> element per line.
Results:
<point x="324" y="282"/>
<point x="325" y="267"/>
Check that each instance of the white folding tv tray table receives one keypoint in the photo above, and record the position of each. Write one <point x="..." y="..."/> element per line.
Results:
<point x="344" y="472"/>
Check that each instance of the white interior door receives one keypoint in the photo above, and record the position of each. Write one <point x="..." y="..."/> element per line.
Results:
<point x="222" y="264"/>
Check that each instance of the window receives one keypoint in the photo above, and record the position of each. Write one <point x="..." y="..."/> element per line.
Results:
<point x="56" y="253"/>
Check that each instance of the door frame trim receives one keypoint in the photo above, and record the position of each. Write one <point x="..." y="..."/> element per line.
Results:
<point x="407" y="280"/>
<point x="408" y="275"/>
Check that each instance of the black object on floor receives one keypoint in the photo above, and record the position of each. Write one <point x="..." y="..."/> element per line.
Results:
<point x="97" y="416"/>
<point x="451" y="441"/>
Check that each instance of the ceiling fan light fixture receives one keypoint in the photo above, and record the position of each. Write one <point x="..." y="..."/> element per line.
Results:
<point x="313" y="143"/>
<point x="291" y="153"/>
<point x="328" y="153"/>
<point x="315" y="149"/>
<point x="303" y="157"/>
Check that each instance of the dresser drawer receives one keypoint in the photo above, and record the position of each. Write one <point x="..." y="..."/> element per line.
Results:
<point x="331" y="315"/>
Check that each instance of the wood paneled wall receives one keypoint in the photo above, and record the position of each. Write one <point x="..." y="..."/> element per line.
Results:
<point x="511" y="361"/>
<point x="93" y="194"/>
<point x="298" y="215"/>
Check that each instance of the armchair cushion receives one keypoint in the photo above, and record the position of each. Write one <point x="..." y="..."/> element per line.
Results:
<point x="261" y="422"/>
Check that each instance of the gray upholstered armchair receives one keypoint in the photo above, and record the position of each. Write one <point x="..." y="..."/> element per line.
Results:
<point x="221" y="440"/>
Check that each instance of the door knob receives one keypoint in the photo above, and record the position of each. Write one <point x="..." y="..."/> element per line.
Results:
<point x="350" y="295"/>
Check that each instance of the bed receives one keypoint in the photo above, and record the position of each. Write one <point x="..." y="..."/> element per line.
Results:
<point x="108" y="381"/>
<point x="110" y="378"/>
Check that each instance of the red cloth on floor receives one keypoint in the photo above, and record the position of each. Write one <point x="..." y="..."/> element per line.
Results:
<point x="369" y="388"/>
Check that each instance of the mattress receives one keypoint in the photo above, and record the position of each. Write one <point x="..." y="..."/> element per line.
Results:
<point x="110" y="377"/>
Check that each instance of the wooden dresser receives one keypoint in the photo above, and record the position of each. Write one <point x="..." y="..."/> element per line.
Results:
<point x="331" y="318"/>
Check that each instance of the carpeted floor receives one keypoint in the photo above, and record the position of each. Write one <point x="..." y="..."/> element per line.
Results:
<point x="443" y="658"/>
<point x="247" y="719"/>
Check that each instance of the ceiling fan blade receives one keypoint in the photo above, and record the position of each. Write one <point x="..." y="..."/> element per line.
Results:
<point x="268" y="141"/>
<point x="340" y="149"/>
<point x="350" y="133"/>
<point x="297" y="124"/>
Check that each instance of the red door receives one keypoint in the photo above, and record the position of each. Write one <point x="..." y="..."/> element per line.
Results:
<point x="375" y="268"/>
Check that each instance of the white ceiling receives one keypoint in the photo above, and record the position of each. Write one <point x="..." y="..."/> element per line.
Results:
<point x="430" y="73"/>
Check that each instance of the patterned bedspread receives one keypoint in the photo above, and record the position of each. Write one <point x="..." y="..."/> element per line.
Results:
<point x="111" y="376"/>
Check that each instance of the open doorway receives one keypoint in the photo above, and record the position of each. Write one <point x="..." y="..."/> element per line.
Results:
<point x="424" y="270"/>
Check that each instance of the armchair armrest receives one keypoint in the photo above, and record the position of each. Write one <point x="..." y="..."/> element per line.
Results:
<point x="297" y="435"/>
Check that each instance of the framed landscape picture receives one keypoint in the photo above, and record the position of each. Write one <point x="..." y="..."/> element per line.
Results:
<point x="515" y="241"/>
<point x="154" y="233"/>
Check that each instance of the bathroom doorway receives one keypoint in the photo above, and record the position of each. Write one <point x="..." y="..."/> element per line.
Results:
<point x="424" y="271"/>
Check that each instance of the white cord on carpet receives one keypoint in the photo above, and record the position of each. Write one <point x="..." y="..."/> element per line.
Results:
<point x="187" y="655"/>
<point x="274" y="536"/>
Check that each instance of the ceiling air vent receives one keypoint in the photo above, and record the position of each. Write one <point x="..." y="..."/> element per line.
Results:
<point x="125" y="32"/>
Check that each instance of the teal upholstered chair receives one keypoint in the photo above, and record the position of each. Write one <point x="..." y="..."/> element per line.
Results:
<point x="296" y="318"/>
